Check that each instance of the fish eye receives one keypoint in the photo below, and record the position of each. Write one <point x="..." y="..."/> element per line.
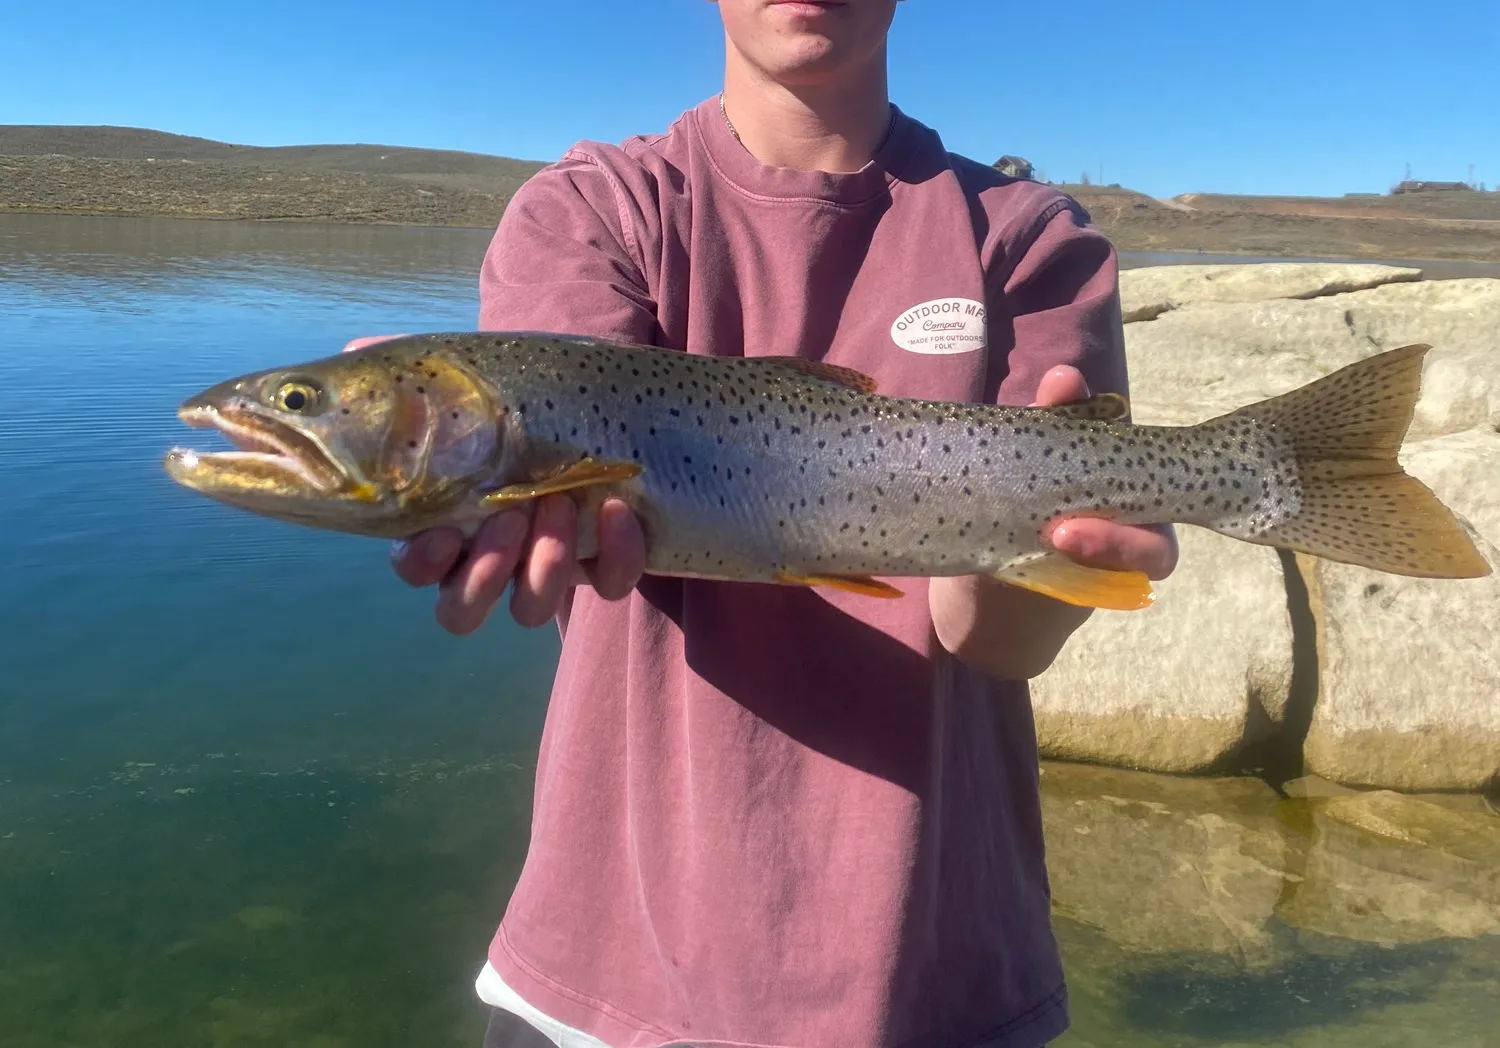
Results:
<point x="300" y="397"/>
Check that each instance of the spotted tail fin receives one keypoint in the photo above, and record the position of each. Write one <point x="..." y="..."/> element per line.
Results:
<point x="1357" y="505"/>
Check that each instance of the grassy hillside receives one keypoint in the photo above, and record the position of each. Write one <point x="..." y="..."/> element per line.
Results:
<point x="133" y="171"/>
<point x="1459" y="226"/>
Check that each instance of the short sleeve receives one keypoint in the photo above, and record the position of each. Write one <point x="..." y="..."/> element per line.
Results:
<point x="563" y="260"/>
<point x="1062" y="301"/>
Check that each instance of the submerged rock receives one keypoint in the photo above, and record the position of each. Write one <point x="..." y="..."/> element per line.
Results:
<point x="1309" y="786"/>
<point x="1161" y="864"/>
<point x="1386" y="868"/>
<point x="1158" y="863"/>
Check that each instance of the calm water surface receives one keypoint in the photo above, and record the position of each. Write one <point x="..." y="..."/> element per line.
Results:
<point x="251" y="795"/>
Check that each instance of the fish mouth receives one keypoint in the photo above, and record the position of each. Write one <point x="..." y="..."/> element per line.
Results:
<point x="270" y="454"/>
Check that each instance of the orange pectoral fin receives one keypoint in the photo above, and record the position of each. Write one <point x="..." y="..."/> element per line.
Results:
<point x="861" y="584"/>
<point x="581" y="474"/>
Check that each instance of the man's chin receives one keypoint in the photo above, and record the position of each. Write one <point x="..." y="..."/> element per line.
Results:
<point x="810" y="61"/>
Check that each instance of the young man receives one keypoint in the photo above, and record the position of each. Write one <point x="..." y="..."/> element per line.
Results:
<point x="769" y="815"/>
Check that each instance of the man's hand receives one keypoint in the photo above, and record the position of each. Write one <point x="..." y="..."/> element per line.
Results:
<point x="1015" y="634"/>
<point x="537" y="553"/>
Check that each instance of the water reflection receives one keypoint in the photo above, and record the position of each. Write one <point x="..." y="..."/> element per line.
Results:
<point x="144" y="623"/>
<point x="124" y="258"/>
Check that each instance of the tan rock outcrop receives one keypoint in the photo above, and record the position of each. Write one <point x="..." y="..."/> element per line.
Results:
<point x="1208" y="358"/>
<point x="1408" y="674"/>
<point x="1409" y="669"/>
<point x="1150" y="291"/>
<point x="1182" y="684"/>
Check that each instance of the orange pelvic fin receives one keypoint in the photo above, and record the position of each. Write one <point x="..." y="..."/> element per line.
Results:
<point x="1064" y="579"/>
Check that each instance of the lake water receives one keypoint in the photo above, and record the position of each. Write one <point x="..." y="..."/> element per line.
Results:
<point x="251" y="795"/>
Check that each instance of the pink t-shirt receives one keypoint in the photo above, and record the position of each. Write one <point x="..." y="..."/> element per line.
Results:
<point x="770" y="815"/>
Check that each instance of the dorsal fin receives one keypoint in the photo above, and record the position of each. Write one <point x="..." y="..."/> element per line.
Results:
<point x="831" y="372"/>
<point x="1105" y="407"/>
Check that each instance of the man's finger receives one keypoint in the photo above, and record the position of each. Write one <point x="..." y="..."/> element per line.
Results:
<point x="426" y="558"/>
<point x="622" y="551"/>
<point x="1102" y="543"/>
<point x="543" y="579"/>
<point x="469" y="594"/>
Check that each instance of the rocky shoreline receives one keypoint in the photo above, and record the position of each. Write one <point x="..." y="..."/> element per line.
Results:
<point x="1257" y="659"/>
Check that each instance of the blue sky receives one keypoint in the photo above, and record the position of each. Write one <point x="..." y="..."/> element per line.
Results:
<point x="1317" y="96"/>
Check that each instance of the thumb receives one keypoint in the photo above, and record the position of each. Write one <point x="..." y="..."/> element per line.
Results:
<point x="368" y="340"/>
<point x="1063" y="384"/>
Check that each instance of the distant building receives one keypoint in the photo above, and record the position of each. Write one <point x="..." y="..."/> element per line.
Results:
<point x="1015" y="167"/>
<point x="1412" y="185"/>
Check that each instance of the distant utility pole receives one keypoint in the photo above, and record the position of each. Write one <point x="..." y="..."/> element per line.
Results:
<point x="1408" y="171"/>
<point x="1471" y="176"/>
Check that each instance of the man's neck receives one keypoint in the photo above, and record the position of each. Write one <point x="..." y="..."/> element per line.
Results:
<point x="835" y="129"/>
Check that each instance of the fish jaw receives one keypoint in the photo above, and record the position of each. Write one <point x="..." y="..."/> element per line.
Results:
<point x="277" y="469"/>
<point x="267" y="448"/>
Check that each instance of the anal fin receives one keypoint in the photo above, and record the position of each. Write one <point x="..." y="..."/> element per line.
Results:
<point x="583" y="473"/>
<point x="861" y="584"/>
<point x="1062" y="578"/>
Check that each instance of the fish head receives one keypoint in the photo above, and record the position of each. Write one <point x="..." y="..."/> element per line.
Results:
<point x="382" y="441"/>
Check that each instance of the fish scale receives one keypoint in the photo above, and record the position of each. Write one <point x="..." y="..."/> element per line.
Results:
<point x="773" y="469"/>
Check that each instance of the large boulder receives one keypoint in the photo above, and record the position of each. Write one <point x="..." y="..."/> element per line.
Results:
<point x="1403" y="675"/>
<point x="1148" y="292"/>
<point x="1460" y="390"/>
<point x="1185" y="683"/>
<point x="1409" y="669"/>
<point x="1210" y="357"/>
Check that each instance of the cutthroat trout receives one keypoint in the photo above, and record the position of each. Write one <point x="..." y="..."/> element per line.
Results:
<point x="782" y="470"/>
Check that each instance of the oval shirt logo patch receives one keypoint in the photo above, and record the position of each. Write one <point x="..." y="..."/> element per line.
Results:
<point x="943" y="325"/>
